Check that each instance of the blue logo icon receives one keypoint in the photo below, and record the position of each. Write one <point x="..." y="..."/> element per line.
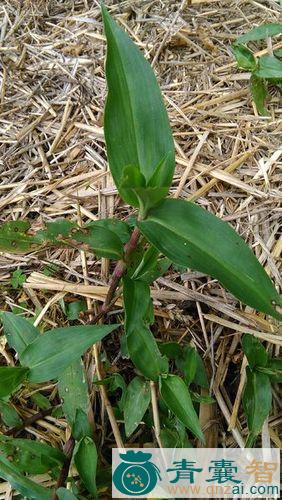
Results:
<point x="136" y="475"/>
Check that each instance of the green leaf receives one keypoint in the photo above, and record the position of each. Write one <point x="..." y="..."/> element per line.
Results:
<point x="50" y="354"/>
<point x="102" y="241"/>
<point x="64" y="494"/>
<point x="254" y="350"/>
<point x="85" y="459"/>
<point x="190" y="236"/>
<point x="198" y="398"/>
<point x="18" y="278"/>
<point x="114" y="382"/>
<point x="73" y="309"/>
<point x="73" y="391"/>
<point x="137" y="400"/>
<point x="172" y="350"/>
<point x="11" y="378"/>
<point x="18" y="331"/>
<point x="9" y="415"/>
<point x="14" y="238"/>
<point x="56" y="230"/>
<point x="19" y="482"/>
<point x="151" y="266"/>
<point x="260" y="33"/>
<point x="259" y="93"/>
<point x="269" y="67"/>
<point x="119" y="227"/>
<point x="257" y="399"/>
<point x="187" y="363"/>
<point x="274" y="366"/>
<point x="244" y="57"/>
<point x="29" y="456"/>
<point x="177" y="398"/>
<point x="41" y="401"/>
<point x="81" y="427"/>
<point x="141" y="344"/>
<point x="136" y="125"/>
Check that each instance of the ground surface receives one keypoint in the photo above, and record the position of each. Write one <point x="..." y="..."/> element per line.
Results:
<point x="53" y="164"/>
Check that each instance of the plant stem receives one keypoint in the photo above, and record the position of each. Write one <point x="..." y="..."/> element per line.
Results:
<point x="68" y="451"/>
<point x="30" y="420"/>
<point x="156" y="416"/>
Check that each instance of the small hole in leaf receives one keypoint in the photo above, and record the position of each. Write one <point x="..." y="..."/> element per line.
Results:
<point x="16" y="229"/>
<point x="14" y="244"/>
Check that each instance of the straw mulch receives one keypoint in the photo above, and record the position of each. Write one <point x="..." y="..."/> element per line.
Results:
<point x="53" y="164"/>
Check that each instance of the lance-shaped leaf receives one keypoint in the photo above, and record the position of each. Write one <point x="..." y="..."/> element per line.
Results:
<point x="141" y="344"/>
<point x="29" y="456"/>
<point x="73" y="391"/>
<point x="254" y="350"/>
<point x="11" y="378"/>
<point x="21" y="483"/>
<point x="18" y="331"/>
<point x="260" y="33"/>
<point x="14" y="238"/>
<point x="64" y="494"/>
<point x="137" y="400"/>
<point x="50" y="354"/>
<point x="177" y="398"/>
<point x="192" y="237"/>
<point x="259" y="93"/>
<point x="136" y="125"/>
<point x="94" y="236"/>
<point x="244" y="57"/>
<point x="85" y="459"/>
<point x="269" y="67"/>
<point x="257" y="399"/>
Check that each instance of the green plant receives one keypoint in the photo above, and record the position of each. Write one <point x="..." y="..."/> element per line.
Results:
<point x="262" y="370"/>
<point x="265" y="69"/>
<point x="140" y="151"/>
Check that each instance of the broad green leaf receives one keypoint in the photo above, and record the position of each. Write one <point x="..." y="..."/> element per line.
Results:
<point x="56" y="230"/>
<point x="29" y="456"/>
<point x="177" y="398"/>
<point x="136" y="125"/>
<point x="14" y="238"/>
<point x="172" y="350"/>
<point x="11" y="378"/>
<point x="192" y="237"/>
<point x="73" y="391"/>
<point x="259" y="93"/>
<point x="137" y="400"/>
<point x="269" y="67"/>
<point x="9" y="415"/>
<point x="119" y="227"/>
<point x="18" y="331"/>
<point x="257" y="399"/>
<point x="50" y="354"/>
<point x="85" y="459"/>
<point x="244" y="57"/>
<point x="141" y="344"/>
<point x="254" y="350"/>
<point x="260" y="33"/>
<point x="64" y="494"/>
<point x="187" y="363"/>
<point x="81" y="427"/>
<point x="98" y="238"/>
<point x="31" y="490"/>
<point x="102" y="241"/>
